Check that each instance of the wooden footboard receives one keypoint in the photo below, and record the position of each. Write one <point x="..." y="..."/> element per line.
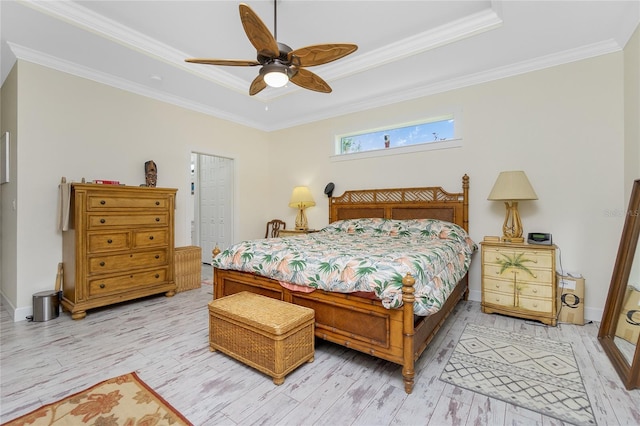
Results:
<point x="359" y="323"/>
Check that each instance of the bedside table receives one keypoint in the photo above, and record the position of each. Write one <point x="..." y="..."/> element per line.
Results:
<point x="292" y="232"/>
<point x="519" y="280"/>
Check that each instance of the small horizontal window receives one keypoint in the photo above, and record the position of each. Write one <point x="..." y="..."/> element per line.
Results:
<point x="434" y="130"/>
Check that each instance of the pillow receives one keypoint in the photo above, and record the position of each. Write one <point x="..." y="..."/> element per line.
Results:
<point x="434" y="228"/>
<point x="367" y="226"/>
<point x="430" y="228"/>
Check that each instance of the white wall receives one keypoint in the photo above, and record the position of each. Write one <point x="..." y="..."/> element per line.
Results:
<point x="563" y="126"/>
<point x="73" y="127"/>
<point x="632" y="110"/>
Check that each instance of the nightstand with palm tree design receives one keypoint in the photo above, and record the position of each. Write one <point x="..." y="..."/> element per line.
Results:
<point x="519" y="280"/>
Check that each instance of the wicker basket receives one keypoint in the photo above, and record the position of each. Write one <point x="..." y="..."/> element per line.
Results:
<point x="188" y="268"/>
<point x="269" y="335"/>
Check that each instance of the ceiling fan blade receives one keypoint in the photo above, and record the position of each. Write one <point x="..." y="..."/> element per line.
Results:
<point x="230" y="62"/>
<point x="320" y="54"/>
<point x="308" y="80"/>
<point x="258" y="33"/>
<point x="257" y="85"/>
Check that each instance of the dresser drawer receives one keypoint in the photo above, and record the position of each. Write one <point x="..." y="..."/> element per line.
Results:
<point x="105" y="286"/>
<point x="120" y="262"/>
<point x="498" y="298"/>
<point x="111" y="241"/>
<point x="97" y="221"/>
<point x="97" y="201"/>
<point x="492" y="270"/>
<point x="151" y="238"/>
<point x="491" y="284"/>
<point x="530" y="258"/>
<point x="537" y="291"/>
<point x="537" y="305"/>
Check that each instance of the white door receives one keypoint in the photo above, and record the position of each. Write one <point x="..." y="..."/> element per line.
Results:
<point x="214" y="198"/>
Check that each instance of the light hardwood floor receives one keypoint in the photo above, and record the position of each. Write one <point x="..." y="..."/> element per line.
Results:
<point x="165" y="340"/>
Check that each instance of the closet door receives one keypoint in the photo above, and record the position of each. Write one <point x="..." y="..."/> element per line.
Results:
<point x="215" y="195"/>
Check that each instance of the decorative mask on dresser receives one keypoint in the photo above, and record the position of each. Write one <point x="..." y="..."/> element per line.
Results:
<point x="151" y="173"/>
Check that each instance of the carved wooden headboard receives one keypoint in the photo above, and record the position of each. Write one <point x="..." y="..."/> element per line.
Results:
<point x="404" y="203"/>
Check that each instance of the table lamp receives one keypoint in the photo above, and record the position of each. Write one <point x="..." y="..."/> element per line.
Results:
<point x="511" y="187"/>
<point x="301" y="199"/>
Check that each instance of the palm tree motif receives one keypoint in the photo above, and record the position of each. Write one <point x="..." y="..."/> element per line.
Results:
<point x="515" y="262"/>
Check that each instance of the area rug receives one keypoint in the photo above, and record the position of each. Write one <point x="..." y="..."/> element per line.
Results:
<point x="124" y="400"/>
<point x="534" y="373"/>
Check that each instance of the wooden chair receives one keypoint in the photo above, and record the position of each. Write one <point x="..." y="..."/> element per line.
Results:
<point x="273" y="228"/>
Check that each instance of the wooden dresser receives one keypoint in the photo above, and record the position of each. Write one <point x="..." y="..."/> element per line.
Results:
<point x="119" y="246"/>
<point x="519" y="280"/>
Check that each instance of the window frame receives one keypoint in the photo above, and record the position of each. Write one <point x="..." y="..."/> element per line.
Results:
<point x="454" y="142"/>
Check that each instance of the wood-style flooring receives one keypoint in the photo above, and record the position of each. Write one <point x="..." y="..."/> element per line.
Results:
<point x="165" y="340"/>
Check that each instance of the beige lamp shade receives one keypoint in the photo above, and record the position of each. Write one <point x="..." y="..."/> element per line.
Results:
<point x="511" y="186"/>
<point x="301" y="199"/>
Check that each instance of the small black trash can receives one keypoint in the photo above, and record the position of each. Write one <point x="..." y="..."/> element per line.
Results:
<point x="46" y="306"/>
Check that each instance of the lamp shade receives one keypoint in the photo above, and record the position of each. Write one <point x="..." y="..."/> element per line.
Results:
<point x="512" y="185"/>
<point x="301" y="198"/>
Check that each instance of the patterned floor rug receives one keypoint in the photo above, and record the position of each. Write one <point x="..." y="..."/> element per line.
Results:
<point x="538" y="374"/>
<point x="123" y="400"/>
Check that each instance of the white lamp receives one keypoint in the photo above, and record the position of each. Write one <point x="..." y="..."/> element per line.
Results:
<point x="301" y="199"/>
<point x="275" y="74"/>
<point x="512" y="187"/>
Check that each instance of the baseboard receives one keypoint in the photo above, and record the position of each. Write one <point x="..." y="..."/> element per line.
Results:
<point x="18" y="314"/>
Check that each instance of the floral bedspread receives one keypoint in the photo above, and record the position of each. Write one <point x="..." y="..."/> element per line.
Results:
<point x="369" y="255"/>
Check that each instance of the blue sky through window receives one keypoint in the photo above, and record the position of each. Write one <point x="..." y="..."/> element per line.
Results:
<point x="401" y="136"/>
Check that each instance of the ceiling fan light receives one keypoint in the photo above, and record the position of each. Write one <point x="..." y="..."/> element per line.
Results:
<point x="275" y="75"/>
<point x="276" y="78"/>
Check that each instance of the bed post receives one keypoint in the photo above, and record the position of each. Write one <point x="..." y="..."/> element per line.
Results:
<point x="465" y="202"/>
<point x="408" y="331"/>
<point x="465" y="221"/>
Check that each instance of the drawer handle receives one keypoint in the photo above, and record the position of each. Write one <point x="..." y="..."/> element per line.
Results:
<point x="103" y="202"/>
<point x="157" y="256"/>
<point x="102" y="285"/>
<point x="109" y="241"/>
<point x="101" y="263"/>
<point x="157" y="203"/>
<point x="535" y="290"/>
<point x="102" y="221"/>
<point x="157" y="219"/>
<point x="157" y="275"/>
<point x="151" y="237"/>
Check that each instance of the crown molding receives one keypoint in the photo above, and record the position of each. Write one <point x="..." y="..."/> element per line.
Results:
<point x="88" y="20"/>
<point x="465" y="27"/>
<point x="72" y="68"/>
<point x="377" y="101"/>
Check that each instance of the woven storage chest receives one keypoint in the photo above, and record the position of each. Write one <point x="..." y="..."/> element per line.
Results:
<point x="188" y="267"/>
<point x="269" y="335"/>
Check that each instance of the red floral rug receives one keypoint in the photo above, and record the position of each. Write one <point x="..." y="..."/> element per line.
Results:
<point x="124" y="400"/>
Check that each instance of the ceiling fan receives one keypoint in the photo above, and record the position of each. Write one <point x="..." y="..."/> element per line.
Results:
<point x="280" y="63"/>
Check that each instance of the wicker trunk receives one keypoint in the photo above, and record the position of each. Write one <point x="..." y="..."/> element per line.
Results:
<point x="269" y="335"/>
<point x="188" y="267"/>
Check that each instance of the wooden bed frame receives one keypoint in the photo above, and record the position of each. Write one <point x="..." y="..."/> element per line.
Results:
<point x="396" y="335"/>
